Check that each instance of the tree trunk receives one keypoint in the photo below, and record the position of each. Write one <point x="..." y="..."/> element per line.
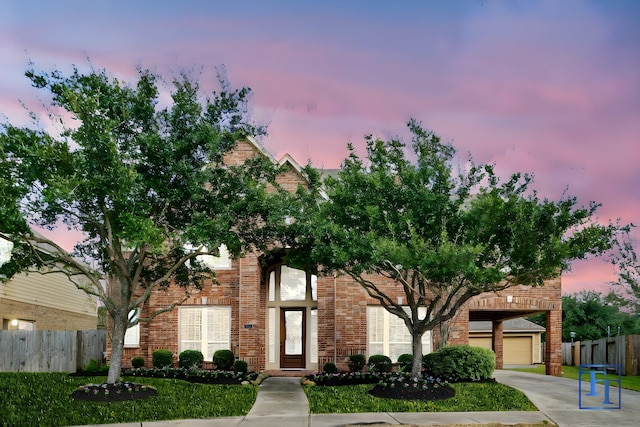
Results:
<point x="118" y="329"/>
<point x="416" y="344"/>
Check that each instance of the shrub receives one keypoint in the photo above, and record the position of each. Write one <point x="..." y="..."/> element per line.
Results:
<point x="406" y="361"/>
<point x="223" y="359"/>
<point x="190" y="359"/>
<point x="330" y="368"/>
<point x="137" y="362"/>
<point x="240" y="366"/>
<point x="162" y="358"/>
<point x="379" y="363"/>
<point x="461" y="363"/>
<point x="357" y="362"/>
<point x="92" y="366"/>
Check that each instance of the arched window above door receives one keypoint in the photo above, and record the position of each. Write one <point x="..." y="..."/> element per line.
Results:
<point x="290" y="284"/>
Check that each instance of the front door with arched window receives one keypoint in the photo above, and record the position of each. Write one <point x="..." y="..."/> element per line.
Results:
<point x="292" y="321"/>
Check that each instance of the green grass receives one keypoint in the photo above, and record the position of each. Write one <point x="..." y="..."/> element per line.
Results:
<point x="43" y="399"/>
<point x="628" y="381"/>
<point x="469" y="397"/>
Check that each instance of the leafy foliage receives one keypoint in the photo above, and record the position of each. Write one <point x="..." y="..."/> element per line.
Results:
<point x="379" y="363"/>
<point x="146" y="184"/>
<point x="137" y="362"/>
<point x="461" y="363"/>
<point x="190" y="359"/>
<point x="162" y="358"/>
<point x="625" y="292"/>
<point x="330" y="368"/>
<point x="207" y="376"/>
<point x="592" y="315"/>
<point x="223" y="359"/>
<point x="443" y="236"/>
<point x="357" y="362"/>
<point x="240" y="366"/>
<point x="405" y="361"/>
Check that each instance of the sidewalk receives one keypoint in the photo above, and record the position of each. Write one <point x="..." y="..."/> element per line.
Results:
<point x="281" y="402"/>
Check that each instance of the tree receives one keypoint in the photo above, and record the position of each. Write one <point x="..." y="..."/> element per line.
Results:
<point x="625" y="292"/>
<point x="148" y="188"/>
<point x="591" y="316"/>
<point x="442" y="237"/>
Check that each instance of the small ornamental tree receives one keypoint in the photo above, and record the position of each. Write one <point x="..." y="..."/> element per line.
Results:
<point x="145" y="184"/>
<point x="443" y="236"/>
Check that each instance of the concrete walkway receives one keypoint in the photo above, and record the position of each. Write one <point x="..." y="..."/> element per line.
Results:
<point x="281" y="402"/>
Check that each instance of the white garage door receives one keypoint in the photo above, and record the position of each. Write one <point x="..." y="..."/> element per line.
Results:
<point x="517" y="350"/>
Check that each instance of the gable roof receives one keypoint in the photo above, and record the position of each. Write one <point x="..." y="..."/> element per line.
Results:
<point x="512" y="325"/>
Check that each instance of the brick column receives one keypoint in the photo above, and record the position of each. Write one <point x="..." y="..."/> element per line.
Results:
<point x="326" y="320"/>
<point x="497" y="343"/>
<point x="553" y="348"/>
<point x="251" y="316"/>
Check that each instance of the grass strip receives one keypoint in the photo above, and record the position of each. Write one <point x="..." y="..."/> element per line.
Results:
<point x="40" y="399"/>
<point x="469" y="397"/>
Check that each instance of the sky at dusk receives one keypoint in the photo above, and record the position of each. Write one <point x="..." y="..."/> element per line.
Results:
<point x="547" y="87"/>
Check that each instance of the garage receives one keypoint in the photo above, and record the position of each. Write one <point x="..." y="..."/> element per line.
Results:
<point x="521" y="340"/>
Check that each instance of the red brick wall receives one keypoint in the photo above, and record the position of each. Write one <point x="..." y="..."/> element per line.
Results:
<point x="341" y="323"/>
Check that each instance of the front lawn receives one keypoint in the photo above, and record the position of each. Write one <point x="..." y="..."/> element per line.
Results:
<point x="629" y="381"/>
<point x="483" y="396"/>
<point x="44" y="399"/>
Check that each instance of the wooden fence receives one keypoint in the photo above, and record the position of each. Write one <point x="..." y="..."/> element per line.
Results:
<point x="622" y="350"/>
<point x="50" y="351"/>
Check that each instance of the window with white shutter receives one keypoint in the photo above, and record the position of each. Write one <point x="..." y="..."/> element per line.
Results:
<point x="206" y="329"/>
<point x="387" y="334"/>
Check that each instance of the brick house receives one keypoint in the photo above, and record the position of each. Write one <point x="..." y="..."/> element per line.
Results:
<point x="278" y="318"/>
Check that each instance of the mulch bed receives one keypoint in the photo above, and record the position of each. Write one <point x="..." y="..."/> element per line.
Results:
<point x="412" y="393"/>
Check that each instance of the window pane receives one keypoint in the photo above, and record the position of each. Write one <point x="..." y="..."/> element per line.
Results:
<point x="293" y="332"/>
<point x="272" y="335"/>
<point x="293" y="284"/>
<point x="191" y="324"/>
<point x="217" y="262"/>
<point x="205" y="329"/>
<point x="314" y="287"/>
<point x="272" y="286"/>
<point x="375" y="324"/>
<point x="313" y="345"/>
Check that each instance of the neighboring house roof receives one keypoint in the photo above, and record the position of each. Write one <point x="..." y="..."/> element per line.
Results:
<point x="512" y="325"/>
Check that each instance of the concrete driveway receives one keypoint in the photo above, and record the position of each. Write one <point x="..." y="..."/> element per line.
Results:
<point x="557" y="398"/>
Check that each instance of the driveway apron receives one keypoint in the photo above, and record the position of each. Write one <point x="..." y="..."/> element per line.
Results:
<point x="557" y="398"/>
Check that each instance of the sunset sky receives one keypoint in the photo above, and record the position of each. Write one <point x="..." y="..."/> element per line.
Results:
<point x="547" y="87"/>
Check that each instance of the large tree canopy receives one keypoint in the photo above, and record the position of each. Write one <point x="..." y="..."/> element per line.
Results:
<point x="443" y="234"/>
<point x="146" y="186"/>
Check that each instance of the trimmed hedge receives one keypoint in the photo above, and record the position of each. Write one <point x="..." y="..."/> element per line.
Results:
<point x="223" y="359"/>
<point x="357" y="362"/>
<point x="137" y="362"/>
<point x="460" y="363"/>
<point x="241" y="366"/>
<point x="406" y="361"/>
<point x="379" y="363"/>
<point x="330" y="368"/>
<point x="162" y="358"/>
<point x="190" y="359"/>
